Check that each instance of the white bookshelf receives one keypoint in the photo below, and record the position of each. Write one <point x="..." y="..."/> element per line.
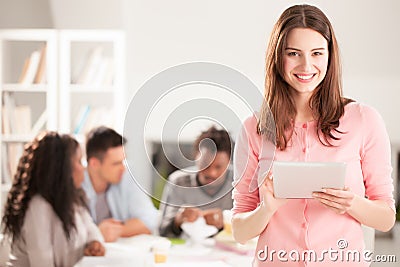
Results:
<point x="60" y="96"/>
<point x="15" y="47"/>
<point x="76" y="94"/>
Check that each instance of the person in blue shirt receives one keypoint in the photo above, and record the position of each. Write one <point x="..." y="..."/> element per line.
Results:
<point x="116" y="203"/>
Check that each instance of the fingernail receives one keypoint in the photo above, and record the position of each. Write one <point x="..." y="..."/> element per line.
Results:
<point x="315" y="194"/>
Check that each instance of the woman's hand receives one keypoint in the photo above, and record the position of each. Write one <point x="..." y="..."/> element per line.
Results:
<point x="337" y="200"/>
<point x="267" y="198"/>
<point x="94" y="248"/>
<point x="250" y="224"/>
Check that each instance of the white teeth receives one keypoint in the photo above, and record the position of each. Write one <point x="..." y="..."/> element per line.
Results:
<point x="305" y="77"/>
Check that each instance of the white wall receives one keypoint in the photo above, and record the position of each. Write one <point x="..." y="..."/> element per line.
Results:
<point x="25" y="14"/>
<point x="86" y="14"/>
<point x="166" y="33"/>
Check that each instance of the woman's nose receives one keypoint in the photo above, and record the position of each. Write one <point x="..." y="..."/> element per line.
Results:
<point x="306" y="63"/>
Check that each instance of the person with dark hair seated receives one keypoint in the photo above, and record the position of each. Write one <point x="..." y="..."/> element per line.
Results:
<point x="116" y="202"/>
<point x="202" y="192"/>
<point x="45" y="215"/>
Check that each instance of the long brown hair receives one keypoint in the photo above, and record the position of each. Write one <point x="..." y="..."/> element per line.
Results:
<point x="326" y="102"/>
<point x="44" y="169"/>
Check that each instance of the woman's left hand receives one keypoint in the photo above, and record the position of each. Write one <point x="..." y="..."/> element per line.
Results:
<point x="338" y="200"/>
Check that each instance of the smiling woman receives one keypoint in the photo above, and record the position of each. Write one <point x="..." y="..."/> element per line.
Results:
<point x="305" y="60"/>
<point x="314" y="123"/>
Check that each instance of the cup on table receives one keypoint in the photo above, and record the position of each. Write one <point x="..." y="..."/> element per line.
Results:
<point x="227" y="214"/>
<point x="160" y="250"/>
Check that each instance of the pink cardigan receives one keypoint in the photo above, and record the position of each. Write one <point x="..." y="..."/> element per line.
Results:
<point x="302" y="225"/>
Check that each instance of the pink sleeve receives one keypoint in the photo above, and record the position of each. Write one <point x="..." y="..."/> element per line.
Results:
<point x="245" y="161"/>
<point x="376" y="158"/>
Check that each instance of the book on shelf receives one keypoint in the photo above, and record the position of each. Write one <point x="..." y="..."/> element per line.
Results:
<point x="40" y="76"/>
<point x="98" y="116"/>
<point x="23" y="121"/>
<point x="104" y="73"/>
<point x="17" y="119"/>
<point x="5" y="122"/>
<point x="89" y="117"/>
<point x="8" y="115"/>
<point x="22" y="76"/>
<point x="92" y="64"/>
<point x="81" y="119"/>
<point x="34" y="69"/>
<point x="98" y="69"/>
<point x="40" y="123"/>
<point x="30" y="68"/>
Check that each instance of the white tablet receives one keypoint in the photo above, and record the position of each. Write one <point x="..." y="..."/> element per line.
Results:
<point x="301" y="179"/>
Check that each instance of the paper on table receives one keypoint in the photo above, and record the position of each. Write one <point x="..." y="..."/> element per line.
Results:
<point x="143" y="241"/>
<point x="198" y="230"/>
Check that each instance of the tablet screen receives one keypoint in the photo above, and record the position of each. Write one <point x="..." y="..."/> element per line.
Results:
<point x="301" y="179"/>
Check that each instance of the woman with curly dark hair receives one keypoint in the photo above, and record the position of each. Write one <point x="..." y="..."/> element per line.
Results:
<point x="45" y="216"/>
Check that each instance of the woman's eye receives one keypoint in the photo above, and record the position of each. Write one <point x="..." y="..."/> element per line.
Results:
<point x="318" y="53"/>
<point x="293" y="54"/>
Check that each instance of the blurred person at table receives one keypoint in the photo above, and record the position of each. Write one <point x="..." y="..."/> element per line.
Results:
<point x="116" y="203"/>
<point x="201" y="192"/>
<point x="45" y="216"/>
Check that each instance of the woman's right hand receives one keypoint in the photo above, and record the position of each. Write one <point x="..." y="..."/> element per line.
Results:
<point x="248" y="225"/>
<point x="94" y="248"/>
<point x="267" y="198"/>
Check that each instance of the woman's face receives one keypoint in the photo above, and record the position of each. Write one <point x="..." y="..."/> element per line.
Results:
<point x="305" y="60"/>
<point x="77" y="168"/>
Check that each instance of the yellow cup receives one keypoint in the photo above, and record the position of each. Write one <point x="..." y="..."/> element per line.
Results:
<point x="228" y="228"/>
<point x="227" y="221"/>
<point x="160" y="250"/>
<point x="160" y="257"/>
